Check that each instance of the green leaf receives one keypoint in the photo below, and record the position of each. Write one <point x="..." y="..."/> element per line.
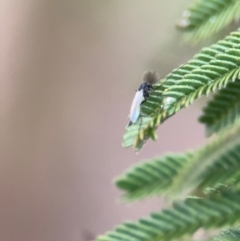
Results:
<point x="183" y="219"/>
<point x="207" y="17"/>
<point x="151" y="177"/>
<point x="208" y="71"/>
<point x="232" y="234"/>
<point x="223" y="110"/>
<point x="216" y="162"/>
<point x="221" y="156"/>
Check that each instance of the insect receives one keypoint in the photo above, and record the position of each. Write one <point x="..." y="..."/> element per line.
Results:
<point x="149" y="78"/>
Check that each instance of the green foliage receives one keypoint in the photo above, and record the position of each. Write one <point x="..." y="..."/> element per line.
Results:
<point x="208" y="71"/>
<point x="223" y="110"/>
<point x="183" y="219"/>
<point x="222" y="155"/>
<point x="210" y="174"/>
<point x="151" y="177"/>
<point x="232" y="234"/>
<point x="216" y="162"/>
<point x="207" y="17"/>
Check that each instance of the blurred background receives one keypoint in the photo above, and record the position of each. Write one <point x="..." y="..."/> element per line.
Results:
<point x="69" y="71"/>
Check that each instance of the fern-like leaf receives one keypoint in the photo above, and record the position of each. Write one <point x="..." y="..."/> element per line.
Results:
<point x="223" y="110"/>
<point x="207" y="17"/>
<point x="232" y="234"/>
<point x="216" y="162"/>
<point x="151" y="177"/>
<point x="210" y="70"/>
<point x="183" y="219"/>
<point x="220" y="156"/>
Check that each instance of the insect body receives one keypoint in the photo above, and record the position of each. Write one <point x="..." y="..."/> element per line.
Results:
<point x="149" y="78"/>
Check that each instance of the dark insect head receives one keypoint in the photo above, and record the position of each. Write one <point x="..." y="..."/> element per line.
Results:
<point x="149" y="78"/>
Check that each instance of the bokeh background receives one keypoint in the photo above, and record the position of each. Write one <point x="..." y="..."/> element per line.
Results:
<point x="69" y="70"/>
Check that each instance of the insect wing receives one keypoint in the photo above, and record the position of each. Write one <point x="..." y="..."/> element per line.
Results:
<point x="135" y="108"/>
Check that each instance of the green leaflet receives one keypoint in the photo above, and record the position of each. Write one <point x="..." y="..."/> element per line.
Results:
<point x="222" y="155"/>
<point x="232" y="234"/>
<point x="223" y="110"/>
<point x="207" y="17"/>
<point x="208" y="71"/>
<point x="222" y="170"/>
<point x="183" y="219"/>
<point x="151" y="177"/>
